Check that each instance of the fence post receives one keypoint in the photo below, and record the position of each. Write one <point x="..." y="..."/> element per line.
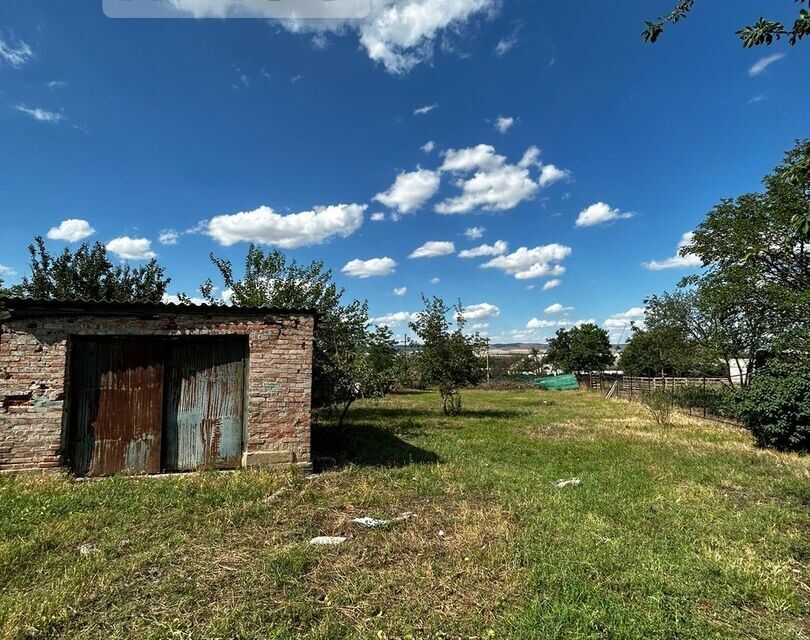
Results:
<point x="703" y="397"/>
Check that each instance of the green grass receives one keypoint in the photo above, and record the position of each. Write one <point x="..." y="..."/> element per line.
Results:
<point x="685" y="531"/>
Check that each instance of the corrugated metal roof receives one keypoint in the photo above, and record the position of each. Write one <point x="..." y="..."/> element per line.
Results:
<point x="14" y="304"/>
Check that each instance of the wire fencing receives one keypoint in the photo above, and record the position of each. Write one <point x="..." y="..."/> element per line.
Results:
<point x="711" y="398"/>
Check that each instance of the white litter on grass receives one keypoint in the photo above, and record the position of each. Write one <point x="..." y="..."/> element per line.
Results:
<point x="87" y="550"/>
<point x="328" y="540"/>
<point x="374" y="523"/>
<point x="573" y="482"/>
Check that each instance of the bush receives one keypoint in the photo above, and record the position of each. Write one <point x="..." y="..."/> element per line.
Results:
<point x="717" y="401"/>
<point x="775" y="406"/>
<point x="659" y="403"/>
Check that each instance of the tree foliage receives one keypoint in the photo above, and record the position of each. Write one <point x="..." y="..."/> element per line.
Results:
<point x="349" y="361"/>
<point x="664" y="351"/>
<point x="583" y="348"/>
<point x="449" y="360"/>
<point x="88" y="274"/>
<point x="763" y="31"/>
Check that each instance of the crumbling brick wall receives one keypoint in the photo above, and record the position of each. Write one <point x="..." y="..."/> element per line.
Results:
<point x="34" y="380"/>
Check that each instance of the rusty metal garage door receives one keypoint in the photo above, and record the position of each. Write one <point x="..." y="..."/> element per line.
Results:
<point x="148" y="406"/>
<point x="204" y="405"/>
<point x="116" y="407"/>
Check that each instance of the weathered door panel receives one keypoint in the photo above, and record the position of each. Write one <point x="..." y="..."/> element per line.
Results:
<point x="117" y="402"/>
<point x="204" y="405"/>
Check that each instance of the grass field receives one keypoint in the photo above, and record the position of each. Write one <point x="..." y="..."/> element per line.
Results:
<point x="679" y="532"/>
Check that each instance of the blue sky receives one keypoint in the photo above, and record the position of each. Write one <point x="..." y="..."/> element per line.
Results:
<point x="208" y="133"/>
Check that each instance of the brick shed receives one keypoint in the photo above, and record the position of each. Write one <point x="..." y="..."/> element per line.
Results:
<point x="104" y="388"/>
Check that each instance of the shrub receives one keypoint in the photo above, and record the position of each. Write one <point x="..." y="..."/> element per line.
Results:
<point x="659" y="403"/>
<point x="717" y="401"/>
<point x="775" y="406"/>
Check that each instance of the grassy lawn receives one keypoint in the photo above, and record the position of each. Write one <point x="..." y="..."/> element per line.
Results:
<point x="679" y="532"/>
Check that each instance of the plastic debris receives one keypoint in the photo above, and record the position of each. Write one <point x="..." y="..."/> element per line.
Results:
<point x="573" y="482"/>
<point x="375" y="523"/>
<point x="328" y="540"/>
<point x="87" y="550"/>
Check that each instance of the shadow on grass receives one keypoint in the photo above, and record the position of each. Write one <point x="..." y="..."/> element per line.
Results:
<point x="404" y="417"/>
<point x="367" y="445"/>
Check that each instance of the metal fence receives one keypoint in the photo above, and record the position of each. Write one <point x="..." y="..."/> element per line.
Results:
<point x="711" y="398"/>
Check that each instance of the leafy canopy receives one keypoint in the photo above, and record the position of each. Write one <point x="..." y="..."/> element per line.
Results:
<point x="582" y="348"/>
<point x="88" y="274"/>
<point x="763" y="31"/>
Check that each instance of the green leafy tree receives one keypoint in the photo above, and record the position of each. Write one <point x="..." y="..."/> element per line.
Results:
<point x="580" y="349"/>
<point x="449" y="360"/>
<point x="664" y="351"/>
<point x="763" y="31"/>
<point x="346" y="355"/>
<point x="88" y="274"/>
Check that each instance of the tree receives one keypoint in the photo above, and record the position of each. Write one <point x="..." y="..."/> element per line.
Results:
<point x="663" y="351"/>
<point x="447" y="359"/>
<point x="349" y="363"/>
<point x="88" y="274"/>
<point x="763" y="31"/>
<point x="582" y="348"/>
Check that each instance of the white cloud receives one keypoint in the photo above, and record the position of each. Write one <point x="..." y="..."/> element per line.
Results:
<point x="540" y="323"/>
<point x="557" y="308"/>
<point x="495" y="184"/>
<point x="400" y="291"/>
<point x="265" y="226"/>
<point x="128" y="248"/>
<point x="433" y="249"/>
<point x="481" y="311"/>
<point x="759" y="67"/>
<point x="622" y="320"/>
<point x="7" y="271"/>
<point x="410" y="190"/>
<point x="503" y="123"/>
<point x="552" y="284"/>
<point x="175" y="299"/>
<point x="600" y="213"/>
<point x="421" y="111"/>
<point x="550" y="174"/>
<point x="378" y="217"/>
<point x="71" y="230"/>
<point x="474" y="233"/>
<point x="677" y="261"/>
<point x="538" y="262"/>
<point x="498" y="249"/>
<point x="168" y="237"/>
<point x="394" y="319"/>
<point x="505" y="44"/>
<point x="760" y="98"/>
<point x="41" y="115"/>
<point x="429" y="146"/>
<point x="373" y="268"/>
<point x="435" y="280"/>
<point x="479" y="326"/>
<point x="14" y="52"/>
<point x="56" y="84"/>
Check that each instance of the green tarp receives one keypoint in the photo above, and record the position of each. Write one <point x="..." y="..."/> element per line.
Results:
<point x="558" y="383"/>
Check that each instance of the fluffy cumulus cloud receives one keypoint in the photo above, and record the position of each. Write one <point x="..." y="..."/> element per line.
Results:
<point x="541" y="323"/>
<point x="410" y="190"/>
<point x="14" y="52"/>
<point x="71" y="230"/>
<point x="175" y="299"/>
<point x="128" y="248"/>
<point x="433" y="249"/>
<point x="557" y="308"/>
<point x="168" y="237"/>
<point x="538" y="262"/>
<point x="400" y="291"/>
<point x="379" y="216"/>
<point x="41" y="115"/>
<point x="375" y="267"/>
<point x="495" y="184"/>
<point x="622" y="320"/>
<point x="7" y="271"/>
<point x="474" y="233"/>
<point x="395" y="319"/>
<point x="552" y="284"/>
<point x="399" y="34"/>
<point x="429" y="146"/>
<point x="689" y="261"/>
<point x="498" y="249"/>
<point x="481" y="311"/>
<point x="761" y="65"/>
<point x="265" y="226"/>
<point x="504" y="123"/>
<point x="600" y="213"/>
